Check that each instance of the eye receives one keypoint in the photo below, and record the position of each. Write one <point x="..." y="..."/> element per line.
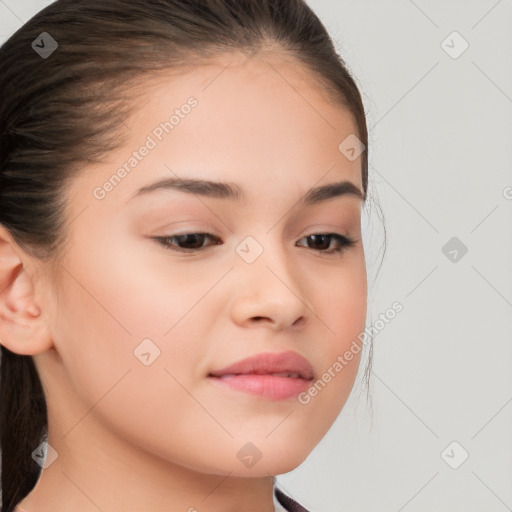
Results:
<point x="187" y="242"/>
<point x="194" y="242"/>
<point x="323" y="240"/>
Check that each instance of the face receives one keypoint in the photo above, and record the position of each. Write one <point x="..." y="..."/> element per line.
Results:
<point x="161" y="290"/>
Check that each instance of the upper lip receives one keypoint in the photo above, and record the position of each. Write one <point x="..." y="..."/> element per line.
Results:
<point x="268" y="363"/>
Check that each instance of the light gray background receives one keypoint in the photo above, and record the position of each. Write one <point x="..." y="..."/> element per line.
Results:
<point x="440" y="164"/>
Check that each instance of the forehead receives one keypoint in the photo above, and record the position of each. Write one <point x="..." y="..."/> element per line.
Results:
<point x="249" y="84"/>
<point x="256" y="121"/>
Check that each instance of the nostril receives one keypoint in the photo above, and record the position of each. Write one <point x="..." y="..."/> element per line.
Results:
<point x="299" y="321"/>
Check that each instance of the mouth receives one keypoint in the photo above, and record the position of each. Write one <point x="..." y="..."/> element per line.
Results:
<point x="275" y="376"/>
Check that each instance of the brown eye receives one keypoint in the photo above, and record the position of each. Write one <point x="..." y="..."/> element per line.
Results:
<point x="195" y="242"/>
<point x="187" y="242"/>
<point x="322" y="242"/>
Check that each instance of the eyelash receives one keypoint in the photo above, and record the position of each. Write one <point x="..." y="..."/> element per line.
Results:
<point x="344" y="242"/>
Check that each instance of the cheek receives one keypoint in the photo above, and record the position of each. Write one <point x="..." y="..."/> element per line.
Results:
<point x="342" y="306"/>
<point x="112" y="314"/>
<point x="96" y="333"/>
<point x="340" y="302"/>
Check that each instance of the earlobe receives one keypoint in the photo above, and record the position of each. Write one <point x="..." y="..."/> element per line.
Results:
<point x="23" y="328"/>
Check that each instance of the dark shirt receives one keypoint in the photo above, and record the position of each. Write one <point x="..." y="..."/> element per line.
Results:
<point x="288" y="503"/>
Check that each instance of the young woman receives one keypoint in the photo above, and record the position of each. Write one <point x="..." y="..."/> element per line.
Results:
<point x="182" y="274"/>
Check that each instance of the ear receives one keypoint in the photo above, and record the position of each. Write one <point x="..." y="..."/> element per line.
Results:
<point x="23" y="326"/>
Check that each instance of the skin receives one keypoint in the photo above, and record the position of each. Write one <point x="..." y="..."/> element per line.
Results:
<point x="162" y="437"/>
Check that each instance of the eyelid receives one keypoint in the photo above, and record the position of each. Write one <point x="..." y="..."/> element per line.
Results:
<point x="344" y="242"/>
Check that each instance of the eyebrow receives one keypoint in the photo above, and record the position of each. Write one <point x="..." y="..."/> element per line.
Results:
<point x="231" y="191"/>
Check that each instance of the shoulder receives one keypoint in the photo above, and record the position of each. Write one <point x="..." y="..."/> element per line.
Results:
<point x="287" y="504"/>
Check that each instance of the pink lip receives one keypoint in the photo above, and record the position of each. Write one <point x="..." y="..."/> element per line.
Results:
<point x="254" y="375"/>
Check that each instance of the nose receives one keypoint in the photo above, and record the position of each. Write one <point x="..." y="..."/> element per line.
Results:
<point x="269" y="292"/>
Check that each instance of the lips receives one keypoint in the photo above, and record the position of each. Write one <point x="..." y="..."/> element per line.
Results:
<point x="285" y="364"/>
<point x="268" y="375"/>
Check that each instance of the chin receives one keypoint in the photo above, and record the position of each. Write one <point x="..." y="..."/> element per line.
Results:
<point x="285" y="466"/>
<point x="281" y="457"/>
<point x="269" y="468"/>
<point x="260" y="458"/>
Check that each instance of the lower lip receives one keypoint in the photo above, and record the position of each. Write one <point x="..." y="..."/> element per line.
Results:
<point x="266" y="386"/>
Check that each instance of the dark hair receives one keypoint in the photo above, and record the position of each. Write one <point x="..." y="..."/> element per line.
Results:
<point x="62" y="111"/>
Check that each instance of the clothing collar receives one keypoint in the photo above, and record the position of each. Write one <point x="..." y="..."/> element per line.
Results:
<point x="283" y="503"/>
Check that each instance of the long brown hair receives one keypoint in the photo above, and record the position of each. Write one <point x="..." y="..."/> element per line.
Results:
<point x="64" y="110"/>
